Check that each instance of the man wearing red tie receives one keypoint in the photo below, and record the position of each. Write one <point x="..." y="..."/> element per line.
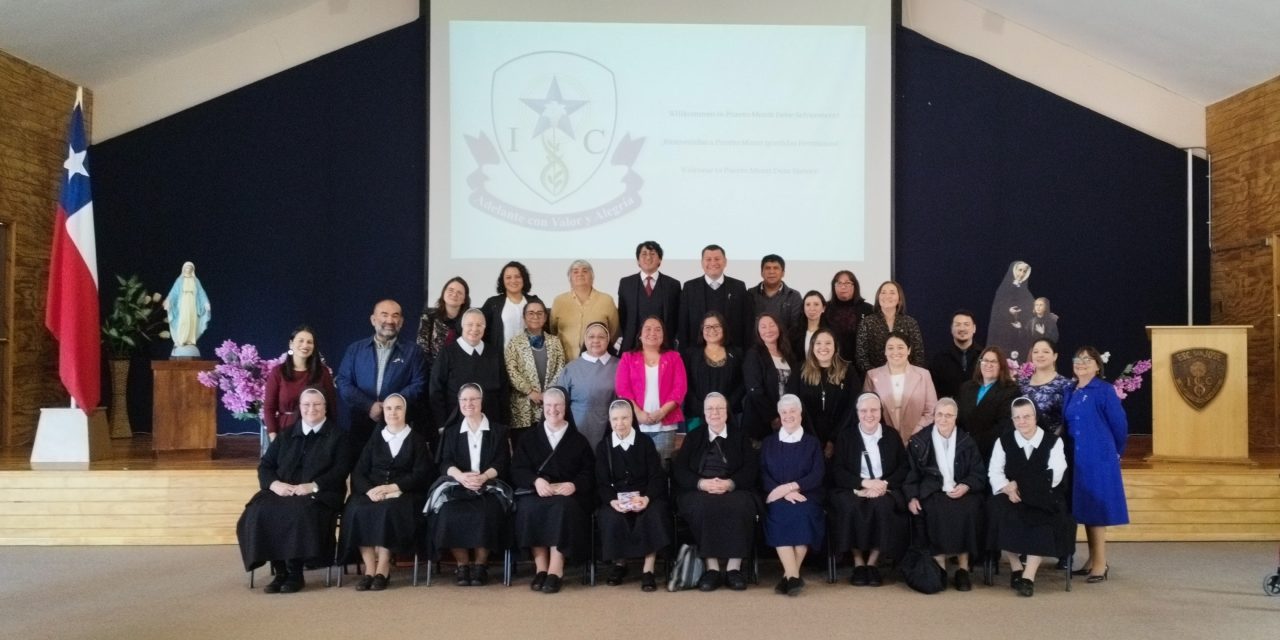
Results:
<point x="645" y="294"/>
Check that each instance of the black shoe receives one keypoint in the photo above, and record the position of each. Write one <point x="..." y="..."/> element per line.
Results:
<point x="539" y="579"/>
<point x="552" y="585"/>
<point x="648" y="583"/>
<point x="711" y="580"/>
<point x="379" y="582"/>
<point x="781" y="587"/>
<point x="616" y="573"/>
<point x="462" y="575"/>
<point x="1102" y="577"/>
<point x="1025" y="588"/>
<point x="1014" y="577"/>
<point x="795" y="586"/>
<point x="962" y="580"/>
<point x="276" y="582"/>
<point x="366" y="581"/>
<point x="860" y="577"/>
<point x="479" y="575"/>
<point x="293" y="584"/>
<point x="942" y="571"/>
<point x="873" y="576"/>
<point x="735" y="580"/>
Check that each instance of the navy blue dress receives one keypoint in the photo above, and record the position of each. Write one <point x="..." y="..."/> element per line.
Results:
<point x="801" y="523"/>
<point x="1098" y="428"/>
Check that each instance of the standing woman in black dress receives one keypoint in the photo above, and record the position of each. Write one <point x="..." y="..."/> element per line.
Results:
<point x="388" y="489"/>
<point x="633" y="516"/>
<point x="552" y="469"/>
<point x="845" y="311"/>
<point x="984" y="401"/>
<point x="769" y="371"/>
<point x="712" y="365"/>
<point x="828" y="388"/>
<point x="504" y="313"/>
<point x="714" y="475"/>
<point x="475" y="454"/>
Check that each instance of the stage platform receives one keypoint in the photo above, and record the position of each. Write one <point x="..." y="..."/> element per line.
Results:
<point x="134" y="499"/>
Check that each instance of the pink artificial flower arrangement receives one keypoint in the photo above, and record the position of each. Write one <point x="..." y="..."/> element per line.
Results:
<point x="242" y="378"/>
<point x="1130" y="379"/>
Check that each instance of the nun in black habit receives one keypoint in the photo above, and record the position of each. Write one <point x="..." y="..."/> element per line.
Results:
<point x="552" y="470"/>
<point x="633" y="516"/>
<point x="303" y="477"/>
<point x="1011" y="312"/>
<point x="715" y="476"/>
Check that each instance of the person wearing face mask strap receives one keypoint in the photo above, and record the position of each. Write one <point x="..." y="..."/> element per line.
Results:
<point x="467" y="360"/>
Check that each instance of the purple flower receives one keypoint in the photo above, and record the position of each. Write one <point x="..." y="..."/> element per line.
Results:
<point x="242" y="378"/>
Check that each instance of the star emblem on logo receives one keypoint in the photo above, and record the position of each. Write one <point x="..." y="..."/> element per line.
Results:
<point x="553" y="110"/>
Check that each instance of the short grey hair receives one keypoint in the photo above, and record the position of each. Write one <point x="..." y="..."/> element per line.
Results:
<point x="580" y="263"/>
<point x="790" y="400"/>
<point x="947" y="402"/>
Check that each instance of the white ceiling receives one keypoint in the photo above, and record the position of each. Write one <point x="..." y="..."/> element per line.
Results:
<point x="95" y="41"/>
<point x="1201" y="49"/>
<point x="1204" y="50"/>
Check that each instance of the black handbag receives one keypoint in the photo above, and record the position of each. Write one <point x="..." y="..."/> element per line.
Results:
<point x="919" y="570"/>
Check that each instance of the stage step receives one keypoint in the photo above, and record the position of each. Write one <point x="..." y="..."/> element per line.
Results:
<point x="152" y="507"/>
<point x="186" y="506"/>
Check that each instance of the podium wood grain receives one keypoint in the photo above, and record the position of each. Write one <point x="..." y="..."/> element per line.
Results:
<point x="1220" y="431"/>
<point x="184" y="413"/>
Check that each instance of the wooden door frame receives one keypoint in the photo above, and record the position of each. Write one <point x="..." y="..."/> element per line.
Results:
<point x="6" y="363"/>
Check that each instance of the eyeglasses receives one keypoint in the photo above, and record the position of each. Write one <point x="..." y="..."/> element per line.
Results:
<point x="712" y="327"/>
<point x="535" y="313"/>
<point x="1081" y="360"/>
<point x="944" y="415"/>
<point x="844" y="283"/>
<point x="986" y="361"/>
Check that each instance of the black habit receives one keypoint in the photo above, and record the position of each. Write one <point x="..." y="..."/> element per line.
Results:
<point x="557" y="521"/>
<point x="1041" y="524"/>
<point x="392" y="522"/>
<point x="953" y="525"/>
<point x="478" y="521"/>
<point x="637" y="533"/>
<point x="454" y="368"/>
<point x="724" y="525"/>
<point x="282" y="528"/>
<point x="868" y="523"/>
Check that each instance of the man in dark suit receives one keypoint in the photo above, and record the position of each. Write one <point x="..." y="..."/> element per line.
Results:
<point x="714" y="291"/>
<point x="951" y="367"/>
<point x="645" y="294"/>
<point x="374" y="368"/>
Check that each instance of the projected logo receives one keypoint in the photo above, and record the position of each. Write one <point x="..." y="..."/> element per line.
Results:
<point x="554" y="131"/>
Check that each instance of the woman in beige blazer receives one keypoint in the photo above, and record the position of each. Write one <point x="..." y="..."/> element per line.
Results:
<point x="905" y="389"/>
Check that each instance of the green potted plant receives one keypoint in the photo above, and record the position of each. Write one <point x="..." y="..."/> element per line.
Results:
<point x="136" y="318"/>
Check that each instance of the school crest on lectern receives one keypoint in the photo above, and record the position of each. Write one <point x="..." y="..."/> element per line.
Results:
<point x="1198" y="375"/>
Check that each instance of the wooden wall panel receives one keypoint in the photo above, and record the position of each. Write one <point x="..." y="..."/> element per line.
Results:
<point x="1244" y="137"/>
<point x="34" y="110"/>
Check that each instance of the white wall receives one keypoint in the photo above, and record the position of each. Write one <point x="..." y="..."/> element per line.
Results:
<point x="1065" y="71"/>
<point x="170" y="86"/>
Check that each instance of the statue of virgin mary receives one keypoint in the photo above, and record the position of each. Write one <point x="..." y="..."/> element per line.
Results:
<point x="188" y="312"/>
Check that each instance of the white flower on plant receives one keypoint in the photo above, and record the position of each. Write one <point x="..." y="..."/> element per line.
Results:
<point x="1106" y="357"/>
<point x="164" y="334"/>
<point x="156" y="297"/>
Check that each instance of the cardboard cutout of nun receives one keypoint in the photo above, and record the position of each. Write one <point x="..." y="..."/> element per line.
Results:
<point x="188" y="312"/>
<point x="1011" y="311"/>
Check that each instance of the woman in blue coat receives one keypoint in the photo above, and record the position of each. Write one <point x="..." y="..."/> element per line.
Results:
<point x="1097" y="428"/>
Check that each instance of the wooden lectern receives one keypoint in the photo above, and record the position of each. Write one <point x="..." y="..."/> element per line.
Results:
<point x="184" y="415"/>
<point x="1200" y="394"/>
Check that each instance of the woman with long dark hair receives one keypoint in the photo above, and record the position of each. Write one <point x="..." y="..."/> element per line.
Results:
<point x="303" y="367"/>
<point x="442" y="324"/>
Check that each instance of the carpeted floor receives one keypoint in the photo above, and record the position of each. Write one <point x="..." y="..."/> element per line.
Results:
<point x="1157" y="590"/>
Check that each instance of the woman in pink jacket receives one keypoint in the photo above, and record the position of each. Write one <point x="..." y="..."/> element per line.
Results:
<point x="652" y="378"/>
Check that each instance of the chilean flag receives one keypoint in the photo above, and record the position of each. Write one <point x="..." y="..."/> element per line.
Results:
<point x="71" y="311"/>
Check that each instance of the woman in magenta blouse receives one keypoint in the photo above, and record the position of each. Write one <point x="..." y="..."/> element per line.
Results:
<point x="652" y="378"/>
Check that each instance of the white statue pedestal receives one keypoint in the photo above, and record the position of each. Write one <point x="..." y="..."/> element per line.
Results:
<point x="68" y="439"/>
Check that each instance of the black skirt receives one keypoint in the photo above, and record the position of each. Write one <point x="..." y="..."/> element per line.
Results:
<point x="953" y="526"/>
<point x="634" y="534"/>
<point x="724" y="525"/>
<point x="276" y="527"/>
<point x="557" y="521"/>
<point x="869" y="523"/>
<point x="391" y="523"/>
<point x="1020" y="529"/>
<point x="475" y="523"/>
